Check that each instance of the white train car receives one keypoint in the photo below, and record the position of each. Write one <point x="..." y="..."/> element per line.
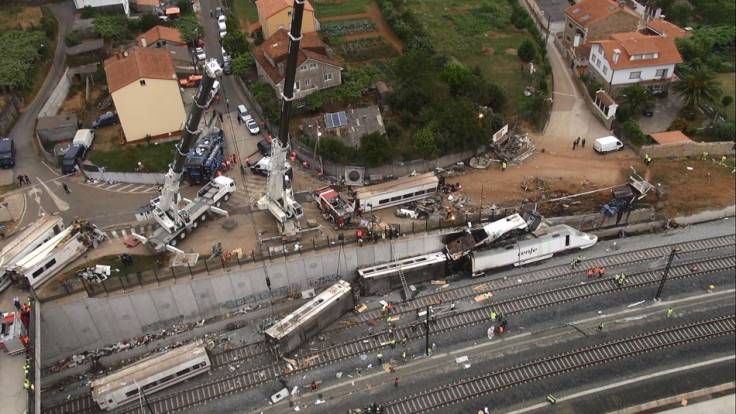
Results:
<point x="383" y="278"/>
<point x="150" y="375"/>
<point x="546" y="243"/>
<point x="33" y="236"/>
<point x="307" y="321"/>
<point x="397" y="192"/>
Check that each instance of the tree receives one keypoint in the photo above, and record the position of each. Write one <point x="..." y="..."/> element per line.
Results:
<point x="527" y="52"/>
<point x="111" y="27"/>
<point x="235" y="43"/>
<point x="697" y="86"/>
<point x="637" y="98"/>
<point x="148" y="21"/>
<point x="242" y="63"/>
<point x="185" y="7"/>
<point x="375" y="149"/>
<point x="424" y="144"/>
<point x="727" y="100"/>
<point x="722" y="131"/>
<point x="189" y="27"/>
<point x="457" y="76"/>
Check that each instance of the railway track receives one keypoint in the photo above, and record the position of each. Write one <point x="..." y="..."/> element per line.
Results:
<point x="549" y="273"/>
<point x="363" y="345"/>
<point x="469" y="388"/>
<point x="366" y="345"/>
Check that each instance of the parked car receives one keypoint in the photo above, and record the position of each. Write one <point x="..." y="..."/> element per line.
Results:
<point x="198" y="42"/>
<point x="219" y="12"/>
<point x="106" y="119"/>
<point x="221" y="19"/>
<point x="200" y="53"/>
<point x="264" y="147"/>
<point x="648" y="110"/>
<point x="252" y="126"/>
<point x="243" y="113"/>
<point x="72" y="158"/>
<point x="223" y="33"/>
<point x="607" y="144"/>
<point x="225" y="56"/>
<point x="191" y="81"/>
<point x="227" y="67"/>
<point x="7" y="152"/>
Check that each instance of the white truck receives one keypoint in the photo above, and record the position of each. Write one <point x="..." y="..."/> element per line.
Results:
<point x="607" y="144"/>
<point x="84" y="137"/>
<point x="190" y="214"/>
<point x="41" y="264"/>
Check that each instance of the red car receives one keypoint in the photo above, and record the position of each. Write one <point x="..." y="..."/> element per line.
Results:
<point x="198" y="42"/>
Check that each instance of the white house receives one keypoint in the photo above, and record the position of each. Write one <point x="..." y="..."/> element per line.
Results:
<point x="123" y="5"/>
<point x="629" y="58"/>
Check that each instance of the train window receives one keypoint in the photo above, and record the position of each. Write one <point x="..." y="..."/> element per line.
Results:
<point x="182" y="372"/>
<point x="567" y="240"/>
<point x="50" y="263"/>
<point x="409" y="195"/>
<point x="397" y="198"/>
<point x="510" y="247"/>
<point x="38" y="272"/>
<point x="384" y="201"/>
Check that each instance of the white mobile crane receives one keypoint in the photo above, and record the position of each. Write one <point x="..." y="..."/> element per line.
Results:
<point x="176" y="216"/>
<point x="279" y="198"/>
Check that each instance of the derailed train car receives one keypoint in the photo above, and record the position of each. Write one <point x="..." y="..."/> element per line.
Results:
<point x="307" y="321"/>
<point x="383" y="278"/>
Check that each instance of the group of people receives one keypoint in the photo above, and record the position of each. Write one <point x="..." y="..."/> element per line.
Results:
<point x="576" y="261"/>
<point x="578" y="142"/>
<point x="126" y="259"/>
<point x="620" y="279"/>
<point x="593" y="271"/>
<point x="23" y="179"/>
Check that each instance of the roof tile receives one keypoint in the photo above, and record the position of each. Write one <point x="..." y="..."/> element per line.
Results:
<point x="267" y="8"/>
<point x="587" y="12"/>
<point x="138" y="63"/>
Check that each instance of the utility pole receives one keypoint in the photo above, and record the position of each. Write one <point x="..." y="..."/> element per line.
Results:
<point x="427" y="333"/>
<point x="673" y="253"/>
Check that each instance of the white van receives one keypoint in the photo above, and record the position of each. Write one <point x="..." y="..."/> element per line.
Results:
<point x="607" y="144"/>
<point x="84" y="137"/>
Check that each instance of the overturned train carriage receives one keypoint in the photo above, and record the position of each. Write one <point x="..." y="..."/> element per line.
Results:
<point x="307" y="321"/>
<point x="383" y="278"/>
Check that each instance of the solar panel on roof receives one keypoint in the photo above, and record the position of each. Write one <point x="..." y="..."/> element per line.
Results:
<point x="328" y="121"/>
<point x="336" y="119"/>
<point x="343" y="117"/>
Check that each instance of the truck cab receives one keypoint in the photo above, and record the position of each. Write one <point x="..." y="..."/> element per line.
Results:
<point x="73" y="157"/>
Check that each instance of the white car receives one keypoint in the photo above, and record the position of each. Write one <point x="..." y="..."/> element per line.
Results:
<point x="223" y="33"/>
<point x="223" y="29"/>
<point x="221" y="19"/>
<point x="252" y="126"/>
<point x="244" y="114"/>
<point x="200" y="53"/>
<point x="225" y="55"/>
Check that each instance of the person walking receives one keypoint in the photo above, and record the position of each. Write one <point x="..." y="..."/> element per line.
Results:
<point x="66" y="188"/>
<point x="396" y="381"/>
<point x="601" y="271"/>
<point x="404" y="341"/>
<point x="403" y="356"/>
<point x="600" y="327"/>
<point x="313" y="385"/>
<point x="452" y="306"/>
<point x="590" y="273"/>
<point x="670" y="311"/>
<point x="20" y="180"/>
<point x="574" y="145"/>
<point x="26" y="179"/>
<point x="582" y="143"/>
<point x="393" y="344"/>
<point x="380" y="358"/>
<point x="493" y="315"/>
<point x="551" y="399"/>
<point x="503" y="166"/>
<point x="16" y="303"/>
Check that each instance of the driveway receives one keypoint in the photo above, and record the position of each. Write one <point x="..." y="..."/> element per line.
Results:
<point x="664" y="113"/>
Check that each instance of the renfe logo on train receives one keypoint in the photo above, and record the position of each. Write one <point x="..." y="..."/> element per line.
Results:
<point x="528" y="251"/>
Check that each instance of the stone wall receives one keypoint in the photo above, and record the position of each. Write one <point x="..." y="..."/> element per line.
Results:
<point x="688" y="149"/>
<point x="9" y="113"/>
<point x="58" y="96"/>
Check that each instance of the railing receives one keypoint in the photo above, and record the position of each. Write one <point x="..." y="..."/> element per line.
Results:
<point x="265" y="253"/>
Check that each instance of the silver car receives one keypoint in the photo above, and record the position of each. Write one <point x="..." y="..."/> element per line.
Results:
<point x="252" y="126"/>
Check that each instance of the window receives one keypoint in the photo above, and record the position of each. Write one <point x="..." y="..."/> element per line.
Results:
<point x="661" y="73"/>
<point x="595" y="59"/>
<point x="605" y="70"/>
<point x="312" y="65"/>
<point x="635" y="75"/>
<point x="303" y="68"/>
<point x="288" y="13"/>
<point x="569" y="25"/>
<point x="296" y="85"/>
<point x="307" y="82"/>
<point x="143" y="82"/>
<point x="328" y="76"/>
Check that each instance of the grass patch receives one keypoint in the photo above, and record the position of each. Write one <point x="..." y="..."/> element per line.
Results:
<point x="246" y="13"/>
<point x="728" y="85"/>
<point x="155" y="157"/>
<point x="444" y="23"/>
<point x="329" y="8"/>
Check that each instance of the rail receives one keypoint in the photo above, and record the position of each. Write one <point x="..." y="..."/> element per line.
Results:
<point x="469" y="388"/>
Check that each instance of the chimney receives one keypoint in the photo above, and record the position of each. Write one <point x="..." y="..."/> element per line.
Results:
<point x="143" y="41"/>
<point x="616" y="54"/>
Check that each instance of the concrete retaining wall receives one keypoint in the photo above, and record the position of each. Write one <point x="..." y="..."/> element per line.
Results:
<point x="688" y="149"/>
<point x="53" y="104"/>
<point x="133" y="178"/>
<point x="88" y="323"/>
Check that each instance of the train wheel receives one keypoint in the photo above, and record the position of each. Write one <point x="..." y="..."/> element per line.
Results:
<point x="226" y="198"/>
<point x="195" y="224"/>
<point x="218" y="204"/>
<point x="203" y="217"/>
<point x="183" y="235"/>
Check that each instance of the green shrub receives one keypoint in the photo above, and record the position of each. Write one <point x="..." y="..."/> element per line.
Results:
<point x="72" y="39"/>
<point x="527" y="52"/>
